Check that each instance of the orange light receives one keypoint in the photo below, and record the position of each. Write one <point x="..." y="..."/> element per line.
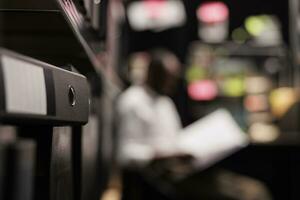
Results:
<point x="256" y="103"/>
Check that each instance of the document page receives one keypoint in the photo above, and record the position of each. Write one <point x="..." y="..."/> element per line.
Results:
<point x="212" y="138"/>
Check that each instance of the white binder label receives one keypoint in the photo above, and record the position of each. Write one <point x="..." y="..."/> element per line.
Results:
<point x="25" y="88"/>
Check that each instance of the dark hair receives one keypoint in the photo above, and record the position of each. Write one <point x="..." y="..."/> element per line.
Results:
<point x="158" y="71"/>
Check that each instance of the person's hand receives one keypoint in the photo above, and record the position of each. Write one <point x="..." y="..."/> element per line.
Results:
<point x="174" y="166"/>
<point x="172" y="157"/>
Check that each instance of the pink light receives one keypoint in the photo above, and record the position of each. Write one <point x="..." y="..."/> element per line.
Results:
<point x="154" y="7"/>
<point x="213" y="12"/>
<point x="205" y="90"/>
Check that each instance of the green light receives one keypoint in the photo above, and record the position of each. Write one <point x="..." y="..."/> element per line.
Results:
<point x="195" y="73"/>
<point x="255" y="25"/>
<point x="240" y="35"/>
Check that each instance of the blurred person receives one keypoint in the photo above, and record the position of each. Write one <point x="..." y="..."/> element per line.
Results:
<point x="145" y="110"/>
<point x="148" y="128"/>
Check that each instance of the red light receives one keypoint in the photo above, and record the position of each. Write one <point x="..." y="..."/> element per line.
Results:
<point x="205" y="90"/>
<point x="213" y="12"/>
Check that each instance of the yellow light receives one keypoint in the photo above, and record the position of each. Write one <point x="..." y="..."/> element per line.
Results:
<point x="281" y="100"/>
<point x="233" y="87"/>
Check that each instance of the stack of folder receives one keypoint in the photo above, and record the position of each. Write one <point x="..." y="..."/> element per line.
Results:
<point x="43" y="102"/>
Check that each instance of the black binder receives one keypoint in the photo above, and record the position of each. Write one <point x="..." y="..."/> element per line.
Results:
<point x="61" y="172"/>
<point x="99" y="17"/>
<point x="90" y="160"/>
<point x="37" y="92"/>
<point x="19" y="162"/>
<point x="7" y="137"/>
<point x="2" y="170"/>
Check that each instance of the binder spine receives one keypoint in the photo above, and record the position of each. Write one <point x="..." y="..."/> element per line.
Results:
<point x="39" y="93"/>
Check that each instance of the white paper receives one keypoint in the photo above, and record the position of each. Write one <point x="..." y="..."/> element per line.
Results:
<point x="25" y="87"/>
<point x="212" y="138"/>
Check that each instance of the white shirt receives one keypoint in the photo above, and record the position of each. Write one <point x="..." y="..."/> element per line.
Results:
<point x="148" y="126"/>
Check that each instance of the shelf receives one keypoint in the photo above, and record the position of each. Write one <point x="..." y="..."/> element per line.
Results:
<point x="248" y="50"/>
<point x="39" y="30"/>
<point x="100" y="52"/>
<point x="28" y="5"/>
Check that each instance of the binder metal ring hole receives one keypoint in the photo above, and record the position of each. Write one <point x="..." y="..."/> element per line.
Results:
<point x="72" y="96"/>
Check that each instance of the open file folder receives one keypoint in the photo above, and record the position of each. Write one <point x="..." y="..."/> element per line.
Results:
<point x="32" y="91"/>
<point x="212" y="139"/>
